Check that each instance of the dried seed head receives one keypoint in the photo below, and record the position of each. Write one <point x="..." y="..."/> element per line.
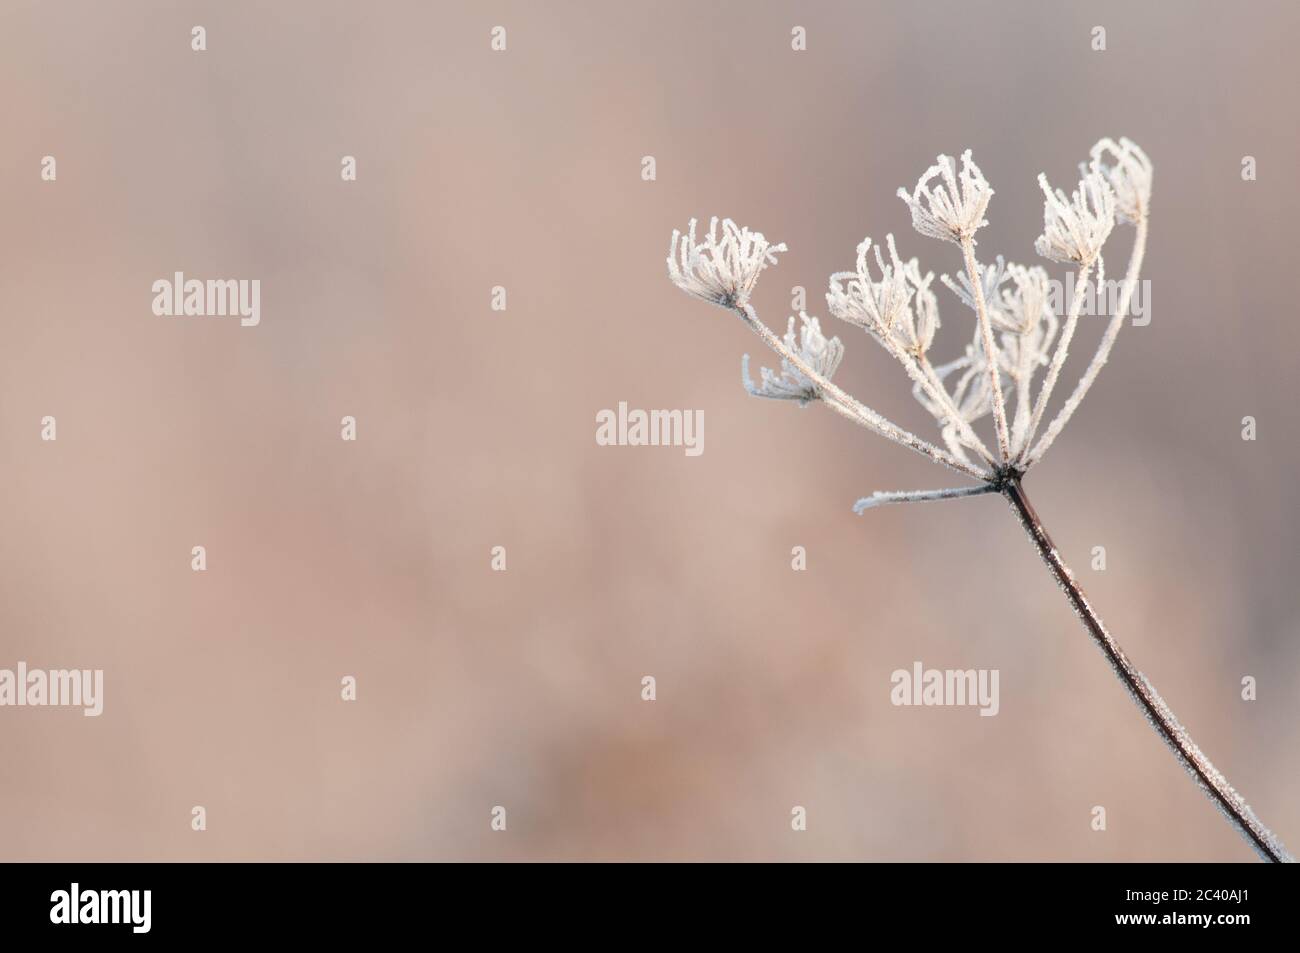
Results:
<point x="1023" y="354"/>
<point x="822" y="355"/>
<point x="1075" y="228"/>
<point x="721" y="271"/>
<point x="991" y="278"/>
<point x="953" y="210"/>
<point x="1129" y="175"/>
<point x="883" y="306"/>
<point x="972" y="392"/>
<point x="925" y="306"/>
<point x="967" y="382"/>
<point x="1028" y="303"/>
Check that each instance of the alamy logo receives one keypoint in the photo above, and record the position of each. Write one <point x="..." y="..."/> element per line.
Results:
<point x="102" y="906"/>
<point x="954" y="687"/>
<point x="55" y="688"/>
<point x="1099" y="298"/>
<point x="216" y="297"/>
<point x="651" y="428"/>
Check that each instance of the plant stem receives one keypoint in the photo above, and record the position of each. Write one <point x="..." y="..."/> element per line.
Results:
<point x="847" y="406"/>
<point x="1103" y="349"/>
<point x="1081" y="276"/>
<point x="1215" y="785"/>
<point x="990" y="349"/>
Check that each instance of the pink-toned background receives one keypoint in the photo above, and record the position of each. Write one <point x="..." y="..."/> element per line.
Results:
<point x="476" y="429"/>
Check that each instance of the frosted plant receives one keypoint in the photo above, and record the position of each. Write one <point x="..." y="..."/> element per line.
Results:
<point x="821" y="355"/>
<point x="1075" y="228"/>
<point x="948" y="211"/>
<point x="991" y="278"/>
<point x="1015" y="334"/>
<point x="883" y="307"/>
<point x="1129" y="176"/>
<point x="721" y="272"/>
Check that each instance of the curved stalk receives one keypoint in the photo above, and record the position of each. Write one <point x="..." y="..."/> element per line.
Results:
<point x="1081" y="277"/>
<point x="1103" y="349"/>
<point x="939" y="393"/>
<point x="990" y="349"/>
<point x="1210" y="779"/>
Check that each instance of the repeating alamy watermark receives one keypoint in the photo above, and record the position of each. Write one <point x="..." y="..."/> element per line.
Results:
<point x="215" y="297"/>
<point x="54" y="688"/>
<point x="651" y="428"/>
<point x="1100" y="298"/>
<point x="975" y="688"/>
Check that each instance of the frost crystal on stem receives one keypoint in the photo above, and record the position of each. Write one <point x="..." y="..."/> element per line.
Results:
<point x="821" y="355"/>
<point x="1015" y="333"/>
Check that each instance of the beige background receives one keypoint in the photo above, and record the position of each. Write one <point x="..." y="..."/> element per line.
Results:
<point x="476" y="429"/>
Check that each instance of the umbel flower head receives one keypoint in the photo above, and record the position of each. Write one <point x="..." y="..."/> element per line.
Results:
<point x="953" y="210"/>
<point x="1027" y="304"/>
<point x="1075" y="228"/>
<point x="969" y="389"/>
<point x="991" y="277"/>
<point x="897" y="309"/>
<point x="1129" y="175"/>
<point x="1027" y="338"/>
<point x="721" y="271"/>
<point x="822" y="355"/>
<point x="1011" y="362"/>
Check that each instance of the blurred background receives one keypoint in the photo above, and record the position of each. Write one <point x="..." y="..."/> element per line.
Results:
<point x="476" y="429"/>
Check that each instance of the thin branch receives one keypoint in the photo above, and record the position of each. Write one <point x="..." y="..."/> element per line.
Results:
<point x="955" y="417"/>
<point x="880" y="498"/>
<point x="1103" y="349"/>
<point x="1058" y="359"/>
<point x="917" y="371"/>
<point x="847" y="406"/>
<point x="990" y="348"/>
<point x="1209" y="778"/>
<point x="1024" y="378"/>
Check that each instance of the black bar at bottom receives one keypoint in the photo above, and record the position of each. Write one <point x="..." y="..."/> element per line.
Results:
<point x="373" y="901"/>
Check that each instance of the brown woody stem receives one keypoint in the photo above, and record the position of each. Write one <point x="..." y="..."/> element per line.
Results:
<point x="1210" y="779"/>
